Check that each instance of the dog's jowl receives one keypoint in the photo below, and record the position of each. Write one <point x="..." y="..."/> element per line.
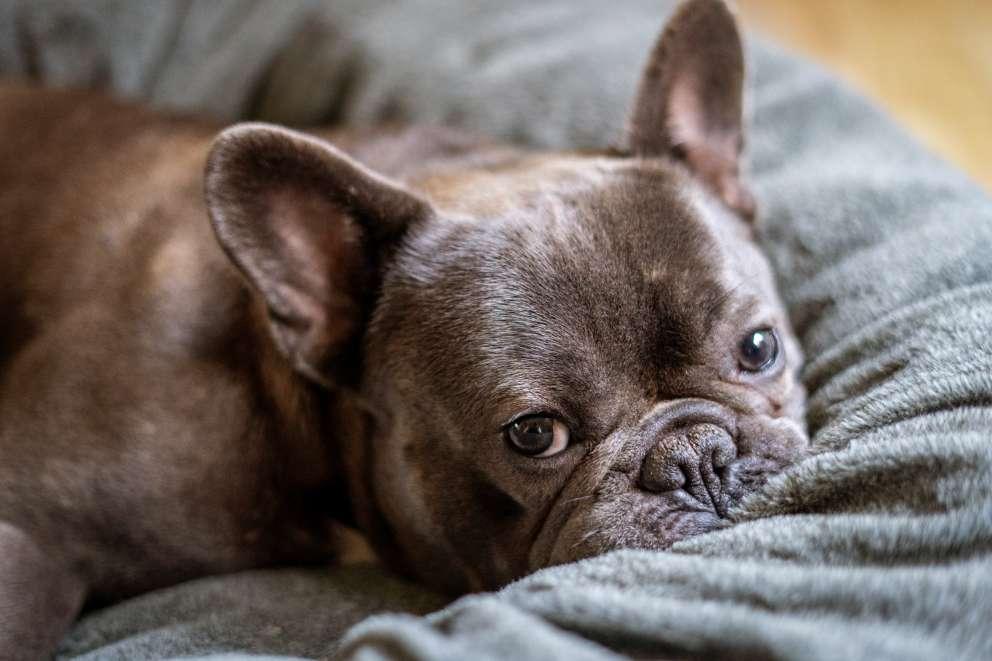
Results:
<point x="487" y="359"/>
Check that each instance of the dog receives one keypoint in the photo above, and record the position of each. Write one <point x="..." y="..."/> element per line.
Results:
<point x="487" y="359"/>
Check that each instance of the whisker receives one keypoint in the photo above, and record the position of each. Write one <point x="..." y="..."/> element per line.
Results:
<point x="577" y="498"/>
<point x="586" y="537"/>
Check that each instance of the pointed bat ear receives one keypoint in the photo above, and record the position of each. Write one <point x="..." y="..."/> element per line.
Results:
<point x="308" y="226"/>
<point x="689" y="102"/>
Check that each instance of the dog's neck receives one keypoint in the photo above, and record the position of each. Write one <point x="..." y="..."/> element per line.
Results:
<point x="303" y="417"/>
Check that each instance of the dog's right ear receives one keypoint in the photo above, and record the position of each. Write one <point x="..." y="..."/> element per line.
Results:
<point x="309" y="227"/>
<point x="689" y="102"/>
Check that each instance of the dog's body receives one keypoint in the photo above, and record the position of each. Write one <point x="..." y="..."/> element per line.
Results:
<point x="149" y="430"/>
<point x="367" y="344"/>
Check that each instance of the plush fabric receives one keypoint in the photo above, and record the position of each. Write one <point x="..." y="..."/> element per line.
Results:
<point x="270" y="613"/>
<point x="879" y="546"/>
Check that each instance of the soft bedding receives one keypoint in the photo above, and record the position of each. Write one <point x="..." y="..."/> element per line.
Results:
<point x="878" y="546"/>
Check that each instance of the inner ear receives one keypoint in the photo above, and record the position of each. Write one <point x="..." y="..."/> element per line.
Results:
<point x="689" y="103"/>
<point x="309" y="227"/>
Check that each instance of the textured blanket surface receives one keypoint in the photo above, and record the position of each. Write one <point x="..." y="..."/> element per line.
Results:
<point x="877" y="547"/>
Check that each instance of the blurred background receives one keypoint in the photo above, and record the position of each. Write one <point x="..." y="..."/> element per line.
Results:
<point x="928" y="62"/>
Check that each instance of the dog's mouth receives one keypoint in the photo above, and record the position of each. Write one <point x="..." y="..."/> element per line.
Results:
<point x="634" y="518"/>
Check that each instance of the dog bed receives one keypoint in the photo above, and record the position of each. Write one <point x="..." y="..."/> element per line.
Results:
<point x="878" y="546"/>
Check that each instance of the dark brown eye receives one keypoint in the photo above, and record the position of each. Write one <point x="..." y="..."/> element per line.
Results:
<point x="537" y="435"/>
<point x="759" y="350"/>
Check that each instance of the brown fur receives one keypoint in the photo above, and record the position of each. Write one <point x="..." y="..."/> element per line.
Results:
<point x="347" y="339"/>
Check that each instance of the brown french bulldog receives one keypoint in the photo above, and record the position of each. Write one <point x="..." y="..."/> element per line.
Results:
<point x="487" y="359"/>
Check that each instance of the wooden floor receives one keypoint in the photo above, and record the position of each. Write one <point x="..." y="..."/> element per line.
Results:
<point x="929" y="62"/>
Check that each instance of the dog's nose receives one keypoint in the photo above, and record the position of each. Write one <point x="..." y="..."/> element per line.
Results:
<point x="692" y="458"/>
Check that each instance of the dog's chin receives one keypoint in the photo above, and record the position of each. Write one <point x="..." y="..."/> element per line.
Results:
<point x="633" y="520"/>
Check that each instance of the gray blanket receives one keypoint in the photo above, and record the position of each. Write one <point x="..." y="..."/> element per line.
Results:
<point x="880" y="546"/>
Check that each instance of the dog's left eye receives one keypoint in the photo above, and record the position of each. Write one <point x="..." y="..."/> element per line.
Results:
<point x="538" y="435"/>
<point x="758" y="350"/>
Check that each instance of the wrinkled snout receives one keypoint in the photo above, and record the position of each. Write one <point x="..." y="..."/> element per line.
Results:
<point x="681" y="470"/>
<point x="692" y="450"/>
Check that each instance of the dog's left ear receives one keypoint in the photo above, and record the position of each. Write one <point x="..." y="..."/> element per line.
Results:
<point x="689" y="103"/>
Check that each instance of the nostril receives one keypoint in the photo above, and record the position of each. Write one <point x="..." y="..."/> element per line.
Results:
<point x="673" y="477"/>
<point x="717" y="452"/>
<point x="724" y="452"/>
<point x="663" y="472"/>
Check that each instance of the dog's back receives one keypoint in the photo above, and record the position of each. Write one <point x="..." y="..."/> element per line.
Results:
<point x="133" y="428"/>
<point x="149" y="433"/>
<point x="90" y="191"/>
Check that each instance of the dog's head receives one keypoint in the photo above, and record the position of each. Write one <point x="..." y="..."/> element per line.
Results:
<point x="558" y="354"/>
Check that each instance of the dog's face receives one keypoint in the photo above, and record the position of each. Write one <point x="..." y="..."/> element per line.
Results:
<point x="561" y="354"/>
<point x="600" y="361"/>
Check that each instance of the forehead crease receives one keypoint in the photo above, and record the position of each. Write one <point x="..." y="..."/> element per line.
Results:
<point x="608" y="263"/>
<point x="540" y="308"/>
<point x="664" y="240"/>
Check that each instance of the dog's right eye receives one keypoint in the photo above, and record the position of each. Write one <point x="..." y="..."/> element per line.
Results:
<point x="538" y="435"/>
